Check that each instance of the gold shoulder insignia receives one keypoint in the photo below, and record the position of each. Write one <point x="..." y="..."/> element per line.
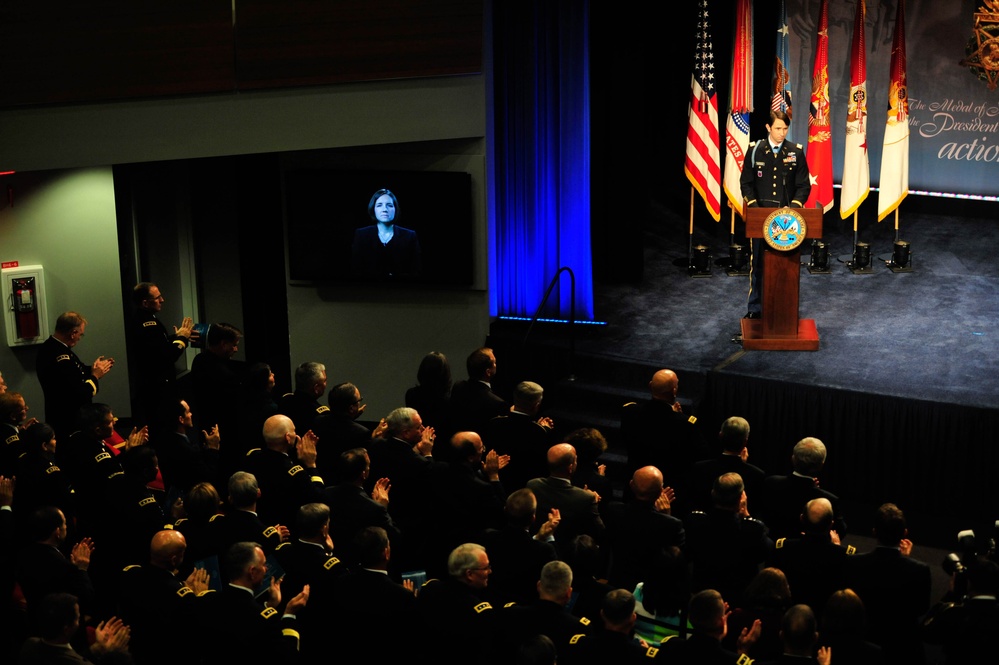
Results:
<point x="64" y="356"/>
<point x="323" y="409"/>
<point x="318" y="479"/>
<point x="134" y="566"/>
<point x="330" y="562"/>
<point x="692" y="420"/>
<point x="214" y="517"/>
<point x="780" y="543"/>
<point x="576" y="638"/>
<point x="651" y="652"/>
<point x="510" y="604"/>
<point x="252" y="451"/>
<point x="269" y="531"/>
<point x="482" y="607"/>
<point x="116" y="473"/>
<point x="184" y="519"/>
<point x="290" y="632"/>
<point x="287" y="394"/>
<point x="630" y="403"/>
<point x="184" y="590"/>
<point x="744" y="660"/>
<point x="432" y="579"/>
<point x="168" y="527"/>
<point x="294" y="470"/>
<point x="100" y="457"/>
<point x="282" y="545"/>
<point x="206" y="592"/>
<point x="146" y="324"/>
<point x="11" y="439"/>
<point x="850" y="549"/>
<point x="666" y="639"/>
<point x="52" y="469"/>
<point x="584" y="621"/>
<point x="148" y="501"/>
<point x="268" y="613"/>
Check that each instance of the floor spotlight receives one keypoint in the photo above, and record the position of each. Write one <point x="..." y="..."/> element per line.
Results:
<point x="700" y="262"/>
<point x="901" y="258"/>
<point x="861" y="263"/>
<point x="819" y="262"/>
<point x="738" y="261"/>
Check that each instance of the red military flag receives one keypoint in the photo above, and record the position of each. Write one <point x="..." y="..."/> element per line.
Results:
<point x="740" y="103"/>
<point x="856" y="169"/>
<point x="894" y="183"/>
<point x="703" y="161"/>
<point x="819" y="156"/>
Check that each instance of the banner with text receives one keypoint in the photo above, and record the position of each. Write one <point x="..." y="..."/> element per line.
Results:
<point x="953" y="85"/>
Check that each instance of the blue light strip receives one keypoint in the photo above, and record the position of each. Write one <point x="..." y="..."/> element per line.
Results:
<point x="527" y="318"/>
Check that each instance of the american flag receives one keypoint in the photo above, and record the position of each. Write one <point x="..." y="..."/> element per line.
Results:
<point x="703" y="161"/>
<point x="780" y="100"/>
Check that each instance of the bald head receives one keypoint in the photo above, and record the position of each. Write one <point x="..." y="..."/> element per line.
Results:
<point x="166" y="549"/>
<point x="647" y="483"/>
<point x="818" y="516"/>
<point x="561" y="459"/>
<point x="664" y="385"/>
<point x="279" y="432"/>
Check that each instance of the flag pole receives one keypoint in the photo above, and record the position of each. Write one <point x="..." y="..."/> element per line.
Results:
<point x="690" y="235"/>
<point x="896" y="225"/>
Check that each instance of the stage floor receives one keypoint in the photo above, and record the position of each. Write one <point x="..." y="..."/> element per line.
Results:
<point x="929" y="334"/>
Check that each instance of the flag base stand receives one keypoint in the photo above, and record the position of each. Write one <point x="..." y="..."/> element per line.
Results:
<point x="897" y="268"/>
<point x="857" y="270"/>
<point x="736" y="272"/>
<point x="819" y="271"/>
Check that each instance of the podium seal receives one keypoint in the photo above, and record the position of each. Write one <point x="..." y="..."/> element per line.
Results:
<point x="784" y="229"/>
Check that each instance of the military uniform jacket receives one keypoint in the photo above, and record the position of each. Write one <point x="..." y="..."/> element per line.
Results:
<point x="770" y="180"/>
<point x="726" y="551"/>
<point x="606" y="646"/>
<point x="284" y="485"/>
<point x="11" y="447"/>
<point x="159" y="609"/>
<point x="303" y="409"/>
<point x="67" y="383"/>
<point x="244" y="631"/>
<point x="154" y="349"/>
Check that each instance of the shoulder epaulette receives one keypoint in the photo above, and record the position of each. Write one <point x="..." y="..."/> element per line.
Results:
<point x="318" y="479"/>
<point x="13" y="438"/>
<point x="330" y="562"/>
<point x="52" y="469"/>
<point x="752" y="144"/>
<point x="293" y="471"/>
<point x="286" y="544"/>
<point x="850" y="549"/>
<point x="576" y="638"/>
<point x="780" y="543"/>
<point x="800" y="147"/>
<point x="134" y="566"/>
<point x="744" y="660"/>
<point x="147" y="501"/>
<point x="215" y="517"/>
<point x="184" y="519"/>
<point x="322" y="409"/>
<point x="482" y="607"/>
<point x="287" y="394"/>
<point x="692" y="420"/>
<point x="269" y="531"/>
<point x="268" y="613"/>
<point x="666" y="639"/>
<point x="146" y="324"/>
<point x="584" y="621"/>
<point x="251" y="451"/>
<point x="64" y="356"/>
<point x="512" y="603"/>
<point x="101" y="456"/>
<point x="651" y="652"/>
<point x="290" y="632"/>
<point x="629" y="404"/>
<point x="184" y="590"/>
<point x="206" y="592"/>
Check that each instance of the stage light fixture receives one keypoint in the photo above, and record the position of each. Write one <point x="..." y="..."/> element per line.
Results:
<point x="901" y="258"/>
<point x="861" y="262"/>
<point x="738" y="259"/>
<point x="819" y="262"/>
<point x="700" y="262"/>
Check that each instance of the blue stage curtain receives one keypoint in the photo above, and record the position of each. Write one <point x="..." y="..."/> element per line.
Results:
<point x="539" y="144"/>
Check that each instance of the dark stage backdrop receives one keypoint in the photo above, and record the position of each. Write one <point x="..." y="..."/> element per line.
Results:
<point x="953" y="106"/>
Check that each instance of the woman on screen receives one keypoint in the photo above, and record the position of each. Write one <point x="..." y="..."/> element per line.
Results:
<point x="385" y="249"/>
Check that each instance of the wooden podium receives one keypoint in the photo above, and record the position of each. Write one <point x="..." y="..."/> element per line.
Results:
<point x="779" y="328"/>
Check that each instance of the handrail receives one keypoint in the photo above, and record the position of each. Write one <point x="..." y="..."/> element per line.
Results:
<point x="572" y="314"/>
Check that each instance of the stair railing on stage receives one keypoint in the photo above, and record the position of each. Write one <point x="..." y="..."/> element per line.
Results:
<point x="572" y="315"/>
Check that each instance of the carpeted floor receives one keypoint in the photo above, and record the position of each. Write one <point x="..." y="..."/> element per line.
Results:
<point x="927" y="334"/>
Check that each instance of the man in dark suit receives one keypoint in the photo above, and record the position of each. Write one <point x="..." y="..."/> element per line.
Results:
<point x="338" y="430"/>
<point x="522" y="435"/>
<point x="577" y="507"/>
<point x="42" y="567"/>
<point x="734" y="458"/>
<point x="784" y="497"/>
<point x="243" y="629"/>
<point x="368" y="604"/>
<point x="473" y="402"/>
<point x="356" y="509"/>
<point x="67" y="383"/>
<point x="303" y="406"/>
<point x="639" y="531"/>
<point x="708" y="615"/>
<point x="658" y="433"/>
<point x="894" y="586"/>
